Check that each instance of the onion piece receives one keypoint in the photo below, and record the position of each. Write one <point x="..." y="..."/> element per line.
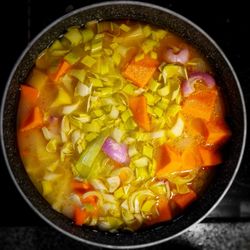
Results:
<point x="117" y="152"/>
<point x="188" y="85"/>
<point x="181" y="57"/>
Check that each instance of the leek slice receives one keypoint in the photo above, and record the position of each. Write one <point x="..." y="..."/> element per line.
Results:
<point x="74" y="36"/>
<point x="87" y="158"/>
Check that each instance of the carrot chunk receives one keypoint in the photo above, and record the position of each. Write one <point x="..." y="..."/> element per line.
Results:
<point x="29" y="95"/>
<point x="209" y="157"/>
<point x="168" y="162"/>
<point x="80" y="216"/>
<point x="201" y="104"/>
<point x="184" y="200"/>
<point x="34" y="120"/>
<point x="81" y="186"/>
<point x="62" y="68"/>
<point x="164" y="212"/>
<point x="218" y="133"/>
<point x="141" y="72"/>
<point x="138" y="106"/>
<point x="191" y="159"/>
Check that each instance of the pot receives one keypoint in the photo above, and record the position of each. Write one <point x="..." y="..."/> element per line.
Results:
<point x="226" y="79"/>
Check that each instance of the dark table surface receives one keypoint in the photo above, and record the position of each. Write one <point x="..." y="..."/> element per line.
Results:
<point x="228" y="226"/>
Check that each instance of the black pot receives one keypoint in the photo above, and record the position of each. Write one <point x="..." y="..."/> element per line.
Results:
<point x="226" y="79"/>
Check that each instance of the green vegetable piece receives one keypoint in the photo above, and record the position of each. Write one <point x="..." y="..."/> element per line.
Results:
<point x="154" y="85"/>
<point x="125" y="115"/>
<point x="72" y="58"/>
<point x="148" y="206"/>
<point x="148" y="151"/>
<point x="150" y="98"/>
<point x="141" y="162"/>
<point x="141" y="173"/>
<point x="158" y="111"/>
<point x="147" y="31"/>
<point x="130" y="124"/>
<point x="56" y="45"/>
<point x="88" y="61"/>
<point x="129" y="89"/>
<point x="90" y="137"/>
<point x="163" y="103"/>
<point x="95" y="82"/>
<point x="74" y="36"/>
<point x="164" y="91"/>
<point x="78" y="74"/>
<point x="87" y="158"/>
<point x="87" y="35"/>
<point x="125" y="28"/>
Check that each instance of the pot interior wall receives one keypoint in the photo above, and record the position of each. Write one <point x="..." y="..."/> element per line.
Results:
<point x="226" y="81"/>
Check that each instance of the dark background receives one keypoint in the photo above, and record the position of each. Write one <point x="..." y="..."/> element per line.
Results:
<point x="227" y="23"/>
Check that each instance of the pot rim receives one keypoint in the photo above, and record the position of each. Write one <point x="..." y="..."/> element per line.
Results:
<point x="110" y="3"/>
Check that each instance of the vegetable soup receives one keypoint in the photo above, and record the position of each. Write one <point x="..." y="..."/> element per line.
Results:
<point x="120" y="125"/>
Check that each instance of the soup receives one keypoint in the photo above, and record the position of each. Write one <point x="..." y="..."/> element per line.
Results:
<point x="120" y="125"/>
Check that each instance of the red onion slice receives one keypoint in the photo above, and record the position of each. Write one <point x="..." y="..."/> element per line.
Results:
<point x="188" y="85"/>
<point x="181" y="57"/>
<point x="117" y="152"/>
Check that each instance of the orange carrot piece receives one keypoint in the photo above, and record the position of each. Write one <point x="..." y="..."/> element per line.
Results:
<point x="201" y="104"/>
<point x="168" y="162"/>
<point x="29" y="94"/>
<point x="164" y="211"/>
<point x="191" y="159"/>
<point x="218" y="133"/>
<point x="63" y="67"/>
<point x="138" y="106"/>
<point x="80" y="186"/>
<point x="184" y="200"/>
<point x="141" y="72"/>
<point x="34" y="120"/>
<point x="209" y="157"/>
<point x="80" y="216"/>
<point x="197" y="127"/>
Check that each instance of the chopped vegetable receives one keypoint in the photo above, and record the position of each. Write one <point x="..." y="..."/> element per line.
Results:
<point x="63" y="98"/>
<point x="87" y="158"/>
<point x="218" y="133"/>
<point x="140" y="72"/>
<point x="138" y="106"/>
<point x="117" y="152"/>
<point x="35" y="120"/>
<point x="80" y="216"/>
<point x="205" y="100"/>
<point x="209" y="157"/>
<point x="37" y="79"/>
<point x="62" y="69"/>
<point x="29" y="95"/>
<point x="88" y="61"/>
<point x="183" y="200"/>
